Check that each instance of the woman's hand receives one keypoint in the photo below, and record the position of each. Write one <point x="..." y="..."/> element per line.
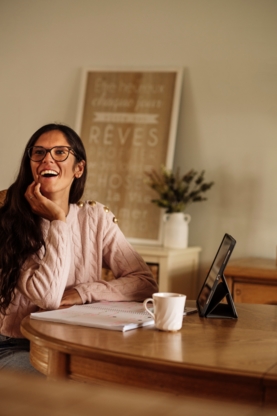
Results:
<point x="71" y="297"/>
<point x="42" y="206"/>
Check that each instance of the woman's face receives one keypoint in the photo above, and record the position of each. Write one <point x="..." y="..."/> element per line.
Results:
<point x="55" y="177"/>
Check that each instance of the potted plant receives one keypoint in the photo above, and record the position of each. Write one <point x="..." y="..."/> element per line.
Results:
<point x="175" y="193"/>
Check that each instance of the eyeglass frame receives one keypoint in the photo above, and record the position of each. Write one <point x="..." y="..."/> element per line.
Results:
<point x="70" y="150"/>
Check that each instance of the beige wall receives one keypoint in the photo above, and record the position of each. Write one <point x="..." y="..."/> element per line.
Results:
<point x="228" y="114"/>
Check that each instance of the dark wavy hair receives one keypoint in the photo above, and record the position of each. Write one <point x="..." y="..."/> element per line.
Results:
<point x="20" y="229"/>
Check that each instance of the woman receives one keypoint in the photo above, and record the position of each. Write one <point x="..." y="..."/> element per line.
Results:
<point x="51" y="250"/>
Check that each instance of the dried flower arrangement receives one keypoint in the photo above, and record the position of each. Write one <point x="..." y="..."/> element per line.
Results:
<point x="176" y="192"/>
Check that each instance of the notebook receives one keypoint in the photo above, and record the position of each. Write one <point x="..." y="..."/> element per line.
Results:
<point x="118" y="316"/>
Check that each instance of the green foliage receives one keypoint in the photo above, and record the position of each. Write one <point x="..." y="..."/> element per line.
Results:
<point x="176" y="192"/>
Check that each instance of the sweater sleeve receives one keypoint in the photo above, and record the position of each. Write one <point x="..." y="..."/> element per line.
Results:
<point x="133" y="278"/>
<point x="43" y="278"/>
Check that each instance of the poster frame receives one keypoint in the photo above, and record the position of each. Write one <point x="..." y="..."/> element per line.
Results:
<point x="173" y="122"/>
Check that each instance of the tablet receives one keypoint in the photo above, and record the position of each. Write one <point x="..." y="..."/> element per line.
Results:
<point x="207" y="299"/>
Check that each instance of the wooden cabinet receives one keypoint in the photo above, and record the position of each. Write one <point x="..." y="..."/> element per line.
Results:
<point x="252" y="280"/>
<point x="175" y="269"/>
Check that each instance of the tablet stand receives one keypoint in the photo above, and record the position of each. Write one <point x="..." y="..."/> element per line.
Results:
<point x="218" y="309"/>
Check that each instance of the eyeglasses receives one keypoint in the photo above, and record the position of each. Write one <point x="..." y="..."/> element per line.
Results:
<point x="58" y="153"/>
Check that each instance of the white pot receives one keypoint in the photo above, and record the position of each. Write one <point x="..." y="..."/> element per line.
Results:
<point x="176" y="230"/>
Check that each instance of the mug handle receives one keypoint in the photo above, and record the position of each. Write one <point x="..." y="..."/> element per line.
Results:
<point x="145" y="306"/>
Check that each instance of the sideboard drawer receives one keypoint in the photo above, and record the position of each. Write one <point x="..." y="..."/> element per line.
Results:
<point x="254" y="293"/>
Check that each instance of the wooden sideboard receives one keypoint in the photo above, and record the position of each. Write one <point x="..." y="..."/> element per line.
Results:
<point x="252" y="280"/>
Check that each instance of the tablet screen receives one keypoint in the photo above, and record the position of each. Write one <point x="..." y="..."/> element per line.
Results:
<point x="216" y="270"/>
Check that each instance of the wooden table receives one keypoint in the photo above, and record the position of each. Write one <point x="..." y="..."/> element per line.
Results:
<point x="209" y="358"/>
<point x="252" y="280"/>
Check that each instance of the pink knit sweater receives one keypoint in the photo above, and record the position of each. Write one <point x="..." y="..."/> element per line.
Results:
<point x="74" y="256"/>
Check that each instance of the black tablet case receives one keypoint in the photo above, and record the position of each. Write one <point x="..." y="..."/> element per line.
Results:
<point x="215" y="308"/>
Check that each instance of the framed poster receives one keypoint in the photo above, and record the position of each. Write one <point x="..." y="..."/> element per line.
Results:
<point x="127" y="119"/>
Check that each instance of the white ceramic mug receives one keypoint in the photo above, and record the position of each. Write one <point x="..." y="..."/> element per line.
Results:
<point x="168" y="310"/>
